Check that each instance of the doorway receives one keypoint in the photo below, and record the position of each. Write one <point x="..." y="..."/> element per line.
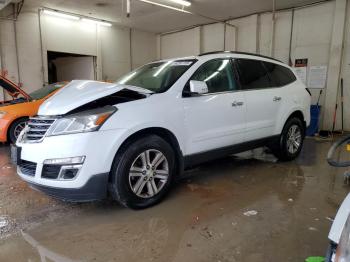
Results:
<point x="66" y="67"/>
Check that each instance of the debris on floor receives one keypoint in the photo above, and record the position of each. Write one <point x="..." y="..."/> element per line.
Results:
<point x="330" y="219"/>
<point x="3" y="222"/>
<point x="6" y="167"/>
<point x="250" y="213"/>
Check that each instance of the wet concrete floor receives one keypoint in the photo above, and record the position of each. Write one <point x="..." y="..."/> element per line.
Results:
<point x="248" y="208"/>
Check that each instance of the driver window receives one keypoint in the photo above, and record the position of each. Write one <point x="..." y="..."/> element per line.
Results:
<point x="218" y="75"/>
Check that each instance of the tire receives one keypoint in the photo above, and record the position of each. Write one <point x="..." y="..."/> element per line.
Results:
<point x="288" y="146"/>
<point x="15" y="128"/>
<point x="332" y="248"/>
<point x="134" y="181"/>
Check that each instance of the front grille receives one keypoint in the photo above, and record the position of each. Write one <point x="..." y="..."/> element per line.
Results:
<point x="50" y="171"/>
<point x="27" y="168"/>
<point x="37" y="128"/>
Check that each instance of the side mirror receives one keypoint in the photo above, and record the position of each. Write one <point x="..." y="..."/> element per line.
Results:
<point x="198" y="87"/>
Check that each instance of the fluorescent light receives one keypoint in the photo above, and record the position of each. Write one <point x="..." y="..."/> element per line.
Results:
<point x="61" y="15"/>
<point x="166" y="6"/>
<point x="75" y="17"/>
<point x="181" y="2"/>
<point x="211" y="76"/>
<point x="127" y="78"/>
<point x="223" y="65"/>
<point x="162" y="68"/>
<point x="92" y="21"/>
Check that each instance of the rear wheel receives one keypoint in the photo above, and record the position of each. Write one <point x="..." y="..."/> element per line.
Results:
<point x="290" y="143"/>
<point x="142" y="172"/>
<point x="15" y="129"/>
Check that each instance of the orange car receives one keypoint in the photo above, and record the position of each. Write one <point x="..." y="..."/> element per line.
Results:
<point x="15" y="113"/>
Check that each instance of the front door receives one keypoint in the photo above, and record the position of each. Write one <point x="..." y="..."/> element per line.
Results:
<point x="217" y="119"/>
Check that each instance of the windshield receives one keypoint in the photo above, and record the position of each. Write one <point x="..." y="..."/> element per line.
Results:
<point x="159" y="76"/>
<point x="46" y="90"/>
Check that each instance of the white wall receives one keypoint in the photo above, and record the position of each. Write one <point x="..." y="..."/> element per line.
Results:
<point x="68" y="36"/>
<point x="346" y="72"/>
<point x="185" y="43"/>
<point x="143" y="46"/>
<point x="212" y="37"/>
<point x="115" y="61"/>
<point x="8" y="52"/>
<point x="111" y="46"/>
<point x="247" y="33"/>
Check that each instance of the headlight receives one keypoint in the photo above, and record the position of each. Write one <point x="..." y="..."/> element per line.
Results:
<point x="86" y="121"/>
<point x="2" y="114"/>
<point x="343" y="250"/>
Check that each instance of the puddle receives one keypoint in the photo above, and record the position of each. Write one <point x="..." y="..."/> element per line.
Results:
<point x="233" y="209"/>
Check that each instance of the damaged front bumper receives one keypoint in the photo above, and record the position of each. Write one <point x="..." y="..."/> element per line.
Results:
<point x="90" y="183"/>
<point x="94" y="189"/>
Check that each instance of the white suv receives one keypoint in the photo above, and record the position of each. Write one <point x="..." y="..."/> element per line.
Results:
<point x="133" y="137"/>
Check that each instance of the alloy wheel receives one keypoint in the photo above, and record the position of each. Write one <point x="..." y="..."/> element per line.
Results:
<point x="148" y="173"/>
<point x="18" y="129"/>
<point x="294" y="139"/>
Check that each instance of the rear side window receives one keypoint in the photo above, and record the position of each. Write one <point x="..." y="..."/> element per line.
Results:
<point x="252" y="74"/>
<point x="217" y="74"/>
<point x="280" y="75"/>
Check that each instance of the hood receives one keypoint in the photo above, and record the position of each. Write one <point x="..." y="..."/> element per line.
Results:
<point x="11" y="88"/>
<point x="81" y="92"/>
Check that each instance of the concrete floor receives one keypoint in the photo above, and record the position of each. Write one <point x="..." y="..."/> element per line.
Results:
<point x="235" y="209"/>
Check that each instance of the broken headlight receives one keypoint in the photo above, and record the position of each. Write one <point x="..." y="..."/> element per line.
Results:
<point x="86" y="121"/>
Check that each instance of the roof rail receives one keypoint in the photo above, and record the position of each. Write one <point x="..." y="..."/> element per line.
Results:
<point x="239" y="53"/>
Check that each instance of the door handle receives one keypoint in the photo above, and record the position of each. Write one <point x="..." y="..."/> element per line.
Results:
<point x="277" y="99"/>
<point x="239" y="103"/>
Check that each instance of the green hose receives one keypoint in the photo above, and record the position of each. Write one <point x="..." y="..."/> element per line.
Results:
<point x="315" y="259"/>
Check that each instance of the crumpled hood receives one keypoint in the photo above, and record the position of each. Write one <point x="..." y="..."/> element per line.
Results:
<point x="81" y="92"/>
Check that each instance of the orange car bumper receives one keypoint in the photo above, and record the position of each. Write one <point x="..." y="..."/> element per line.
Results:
<point x="4" y="125"/>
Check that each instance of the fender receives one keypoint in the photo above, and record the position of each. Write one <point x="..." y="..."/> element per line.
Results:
<point x="285" y="117"/>
<point x="126" y="133"/>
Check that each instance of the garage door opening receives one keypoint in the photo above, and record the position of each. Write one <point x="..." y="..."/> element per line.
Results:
<point x="67" y="67"/>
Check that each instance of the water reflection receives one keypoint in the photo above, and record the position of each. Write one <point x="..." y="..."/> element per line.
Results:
<point x="44" y="252"/>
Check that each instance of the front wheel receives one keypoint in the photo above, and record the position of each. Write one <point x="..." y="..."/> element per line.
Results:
<point x="290" y="143"/>
<point x="15" y="129"/>
<point x="142" y="172"/>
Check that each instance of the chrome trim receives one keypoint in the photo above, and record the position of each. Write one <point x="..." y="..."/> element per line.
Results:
<point x="37" y="130"/>
<point x="32" y="126"/>
<point x="63" y="168"/>
<point x="39" y="124"/>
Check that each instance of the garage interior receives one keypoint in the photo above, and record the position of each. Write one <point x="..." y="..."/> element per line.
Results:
<point x="67" y="67"/>
<point x="246" y="207"/>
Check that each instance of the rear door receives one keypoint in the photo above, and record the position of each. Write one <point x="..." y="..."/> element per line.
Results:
<point x="216" y="119"/>
<point x="262" y="96"/>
